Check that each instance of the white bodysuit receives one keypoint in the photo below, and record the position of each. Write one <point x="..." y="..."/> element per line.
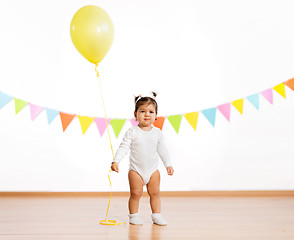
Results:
<point x="145" y="147"/>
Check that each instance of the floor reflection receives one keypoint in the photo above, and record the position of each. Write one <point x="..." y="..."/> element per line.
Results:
<point x="145" y="232"/>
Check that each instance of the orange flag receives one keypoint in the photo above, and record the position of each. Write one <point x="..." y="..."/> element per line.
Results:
<point x="290" y="83"/>
<point x="66" y="119"/>
<point x="159" y="122"/>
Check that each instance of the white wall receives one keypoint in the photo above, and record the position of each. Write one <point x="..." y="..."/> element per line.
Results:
<point x="196" y="54"/>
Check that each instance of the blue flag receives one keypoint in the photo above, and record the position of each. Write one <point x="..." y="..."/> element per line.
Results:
<point x="254" y="99"/>
<point x="210" y="115"/>
<point x="4" y="99"/>
<point x="51" y="114"/>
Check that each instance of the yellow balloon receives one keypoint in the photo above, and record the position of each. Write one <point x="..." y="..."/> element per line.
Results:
<point x="92" y="32"/>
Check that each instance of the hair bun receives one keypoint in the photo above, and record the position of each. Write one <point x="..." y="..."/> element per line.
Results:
<point x="154" y="94"/>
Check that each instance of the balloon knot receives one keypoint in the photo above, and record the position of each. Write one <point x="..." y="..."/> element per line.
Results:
<point x="96" y="69"/>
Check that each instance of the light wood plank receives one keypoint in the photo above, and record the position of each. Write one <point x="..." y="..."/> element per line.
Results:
<point x="162" y="193"/>
<point x="205" y="218"/>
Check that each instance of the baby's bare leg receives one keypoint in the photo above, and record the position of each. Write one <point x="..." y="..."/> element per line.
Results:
<point x="136" y="191"/>
<point x="153" y="191"/>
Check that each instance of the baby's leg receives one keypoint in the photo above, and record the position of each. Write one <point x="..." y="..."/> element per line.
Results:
<point x="136" y="191"/>
<point x="153" y="191"/>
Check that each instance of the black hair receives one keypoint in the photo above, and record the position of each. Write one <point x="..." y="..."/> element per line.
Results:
<point x="144" y="100"/>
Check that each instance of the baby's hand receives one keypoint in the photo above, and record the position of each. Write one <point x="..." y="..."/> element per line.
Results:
<point x="114" y="167"/>
<point x="170" y="170"/>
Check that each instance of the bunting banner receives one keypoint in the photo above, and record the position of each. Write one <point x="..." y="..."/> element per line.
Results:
<point x="85" y="122"/>
<point x="254" y="100"/>
<point x="35" y="111"/>
<point x="174" y="120"/>
<point x="66" y="119"/>
<point x="225" y="110"/>
<point x="192" y="118"/>
<point x="51" y="114"/>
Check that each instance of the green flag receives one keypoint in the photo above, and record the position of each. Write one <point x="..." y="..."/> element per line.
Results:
<point x="19" y="104"/>
<point x="175" y="121"/>
<point x="117" y="125"/>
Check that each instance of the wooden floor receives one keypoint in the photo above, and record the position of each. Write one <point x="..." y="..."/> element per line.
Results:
<point x="77" y="218"/>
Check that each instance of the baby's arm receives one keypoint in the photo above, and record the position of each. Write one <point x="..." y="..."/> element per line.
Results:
<point x="122" y="150"/>
<point x="164" y="156"/>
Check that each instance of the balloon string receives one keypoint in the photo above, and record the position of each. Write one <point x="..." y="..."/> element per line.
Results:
<point x="110" y="194"/>
<point x="107" y="222"/>
<point x="97" y="74"/>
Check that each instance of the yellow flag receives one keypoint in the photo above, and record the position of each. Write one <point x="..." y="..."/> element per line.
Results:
<point x="85" y="122"/>
<point x="238" y="104"/>
<point x="192" y="118"/>
<point x="280" y="88"/>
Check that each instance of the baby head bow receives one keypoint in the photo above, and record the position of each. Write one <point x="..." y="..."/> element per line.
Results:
<point x="140" y="96"/>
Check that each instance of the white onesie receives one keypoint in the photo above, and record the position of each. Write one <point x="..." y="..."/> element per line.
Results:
<point x="145" y="147"/>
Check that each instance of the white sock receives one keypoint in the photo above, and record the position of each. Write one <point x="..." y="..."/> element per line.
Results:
<point x="158" y="219"/>
<point x="135" y="219"/>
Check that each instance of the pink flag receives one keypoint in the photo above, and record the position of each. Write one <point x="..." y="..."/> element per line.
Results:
<point x="101" y="124"/>
<point x="268" y="95"/>
<point x="35" y="111"/>
<point x="225" y="109"/>
<point x="134" y="122"/>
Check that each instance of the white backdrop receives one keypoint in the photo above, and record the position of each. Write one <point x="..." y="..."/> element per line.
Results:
<point x="195" y="54"/>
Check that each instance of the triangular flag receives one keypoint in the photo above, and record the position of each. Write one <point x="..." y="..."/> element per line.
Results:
<point x="51" y="114"/>
<point x="4" y="99"/>
<point x="159" y="122"/>
<point x="35" y="111"/>
<point x="192" y="118"/>
<point x="19" y="105"/>
<point x="66" y="119"/>
<point x="238" y="104"/>
<point x="134" y="122"/>
<point x="175" y="121"/>
<point x="117" y="125"/>
<point x="268" y="95"/>
<point x="210" y="115"/>
<point x="101" y="124"/>
<point x="280" y="88"/>
<point x="225" y="109"/>
<point x="290" y="83"/>
<point x="85" y="122"/>
<point x="254" y="99"/>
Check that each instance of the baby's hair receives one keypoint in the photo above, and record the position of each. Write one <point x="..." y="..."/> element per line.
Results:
<point x="139" y="101"/>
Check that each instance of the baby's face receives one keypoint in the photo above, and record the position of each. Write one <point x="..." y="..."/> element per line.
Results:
<point x="146" y="115"/>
